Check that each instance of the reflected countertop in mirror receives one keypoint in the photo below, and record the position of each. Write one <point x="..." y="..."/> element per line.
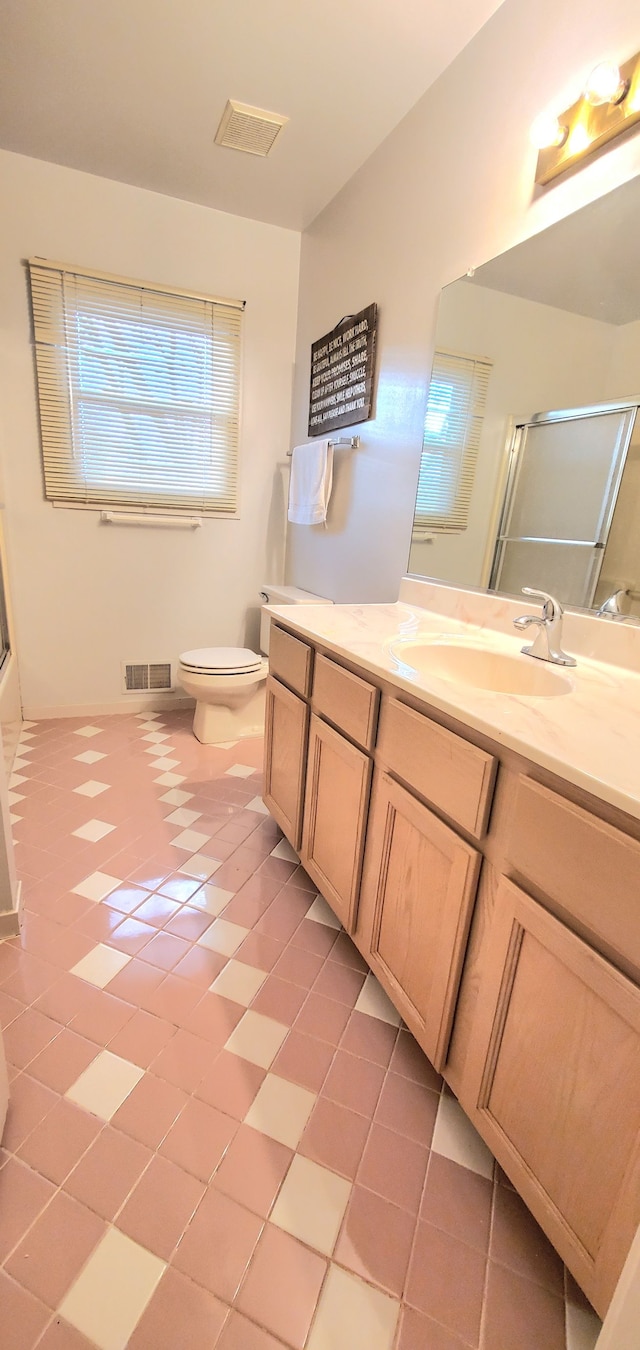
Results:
<point x="530" y="470"/>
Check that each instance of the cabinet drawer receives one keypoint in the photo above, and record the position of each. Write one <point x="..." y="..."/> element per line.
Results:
<point x="346" y="700"/>
<point x="591" y="869"/>
<point x="454" y="775"/>
<point x="291" y="660"/>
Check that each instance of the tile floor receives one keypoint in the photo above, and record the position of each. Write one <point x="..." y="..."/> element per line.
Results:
<point x="219" y="1134"/>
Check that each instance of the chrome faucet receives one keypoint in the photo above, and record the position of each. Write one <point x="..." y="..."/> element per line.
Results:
<point x="546" y="645"/>
<point x="610" y="609"/>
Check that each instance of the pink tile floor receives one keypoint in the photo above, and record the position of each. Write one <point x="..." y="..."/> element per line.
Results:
<point x="266" y="1148"/>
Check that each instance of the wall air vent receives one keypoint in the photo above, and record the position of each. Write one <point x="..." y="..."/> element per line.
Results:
<point x="250" y="129"/>
<point x="139" y="679"/>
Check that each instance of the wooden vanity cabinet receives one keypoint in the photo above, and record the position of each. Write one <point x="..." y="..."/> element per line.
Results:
<point x="417" y="897"/>
<point x="553" y="1085"/>
<point x="335" y="817"/>
<point x="498" y="907"/>
<point x="285" y="757"/>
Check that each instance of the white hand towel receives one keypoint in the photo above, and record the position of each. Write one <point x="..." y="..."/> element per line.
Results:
<point x="310" y="482"/>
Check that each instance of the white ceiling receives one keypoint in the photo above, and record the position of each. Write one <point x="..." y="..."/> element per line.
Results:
<point x="134" y="89"/>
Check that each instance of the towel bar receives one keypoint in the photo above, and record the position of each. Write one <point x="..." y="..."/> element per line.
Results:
<point x="343" y="442"/>
<point x="140" y="518"/>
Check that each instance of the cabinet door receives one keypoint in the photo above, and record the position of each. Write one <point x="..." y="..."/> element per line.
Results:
<point x="418" y="890"/>
<point x="554" y="1086"/>
<point x="285" y="752"/>
<point x="337" y="796"/>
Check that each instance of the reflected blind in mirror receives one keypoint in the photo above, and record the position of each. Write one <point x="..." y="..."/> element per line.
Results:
<point x="139" y="392"/>
<point x="452" y="427"/>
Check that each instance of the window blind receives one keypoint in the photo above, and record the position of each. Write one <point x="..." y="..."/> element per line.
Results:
<point x="139" y="392"/>
<point x="452" y="427"/>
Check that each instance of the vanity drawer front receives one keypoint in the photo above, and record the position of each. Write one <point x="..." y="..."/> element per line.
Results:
<point x="291" y="660"/>
<point x="346" y="700"/>
<point x="588" y="867"/>
<point x="454" y="775"/>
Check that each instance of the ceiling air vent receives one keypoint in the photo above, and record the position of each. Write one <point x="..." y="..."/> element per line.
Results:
<point x="140" y="678"/>
<point x="249" y="129"/>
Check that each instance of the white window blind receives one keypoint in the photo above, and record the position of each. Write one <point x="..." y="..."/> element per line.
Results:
<point x="139" y="392"/>
<point x="452" y="427"/>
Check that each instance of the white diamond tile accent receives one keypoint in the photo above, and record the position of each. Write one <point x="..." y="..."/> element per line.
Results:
<point x="97" y="885"/>
<point x="112" y="1291"/>
<point x="22" y="763"/>
<point x="103" y="1087"/>
<point x="455" y="1137"/>
<point x="160" y="749"/>
<point x="88" y="731"/>
<point x="93" y="831"/>
<point x="280" y="1109"/>
<point x="14" y="819"/>
<point x="100" y="965"/>
<point x="169" y="779"/>
<point x="285" y="851"/>
<point x="321" y="912"/>
<point x="238" y="982"/>
<point x="164" y="763"/>
<point x="191" y="840"/>
<point x="311" y="1204"/>
<point x="200" y="867"/>
<point x="257" y="804"/>
<point x="182" y="817"/>
<point x="258" y="1039"/>
<point x="156" y="736"/>
<point x="174" y="797"/>
<point x="210" y="899"/>
<point x="352" y="1313"/>
<point x="16" y="779"/>
<point x="373" y="1000"/>
<point x="92" y="788"/>
<point x="583" y="1328"/>
<point x="223" y="937"/>
<point x="90" y="756"/>
<point x="240" y="771"/>
<point x="14" y="797"/>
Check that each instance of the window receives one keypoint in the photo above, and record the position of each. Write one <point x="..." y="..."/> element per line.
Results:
<point x="452" y="426"/>
<point x="139" y="392"/>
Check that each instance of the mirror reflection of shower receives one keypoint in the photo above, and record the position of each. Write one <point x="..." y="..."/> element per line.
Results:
<point x="572" y="495"/>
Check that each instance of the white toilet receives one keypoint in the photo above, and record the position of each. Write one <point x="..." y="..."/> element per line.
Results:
<point x="228" y="683"/>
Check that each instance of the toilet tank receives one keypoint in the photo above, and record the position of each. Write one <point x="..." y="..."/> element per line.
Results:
<point x="283" y="595"/>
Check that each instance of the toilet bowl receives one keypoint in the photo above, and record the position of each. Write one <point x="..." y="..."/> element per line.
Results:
<point x="228" y="686"/>
<point x="228" y="683"/>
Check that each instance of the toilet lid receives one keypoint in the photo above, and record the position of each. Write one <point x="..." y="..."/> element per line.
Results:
<point x="221" y="660"/>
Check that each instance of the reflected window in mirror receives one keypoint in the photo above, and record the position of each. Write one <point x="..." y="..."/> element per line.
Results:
<point x="452" y="430"/>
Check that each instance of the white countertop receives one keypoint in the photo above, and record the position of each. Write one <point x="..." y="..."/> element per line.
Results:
<point x="590" y="736"/>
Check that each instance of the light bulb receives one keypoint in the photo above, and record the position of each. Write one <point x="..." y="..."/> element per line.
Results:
<point x="605" y="85"/>
<point x="547" y="131"/>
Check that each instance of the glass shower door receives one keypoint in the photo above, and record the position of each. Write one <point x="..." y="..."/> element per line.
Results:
<point x="561" y="491"/>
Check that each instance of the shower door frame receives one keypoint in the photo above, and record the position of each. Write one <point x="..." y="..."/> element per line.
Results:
<point x="517" y="441"/>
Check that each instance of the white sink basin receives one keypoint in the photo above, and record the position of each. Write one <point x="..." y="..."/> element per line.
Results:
<point x="482" y="668"/>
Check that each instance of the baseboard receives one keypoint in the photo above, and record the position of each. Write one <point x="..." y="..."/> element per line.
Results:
<point x="11" y="919"/>
<point x="146" y="703"/>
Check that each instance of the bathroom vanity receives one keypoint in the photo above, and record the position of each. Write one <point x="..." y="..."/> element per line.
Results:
<point x="482" y="848"/>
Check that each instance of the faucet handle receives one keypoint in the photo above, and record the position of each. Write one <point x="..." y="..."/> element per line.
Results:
<point x="552" y="609"/>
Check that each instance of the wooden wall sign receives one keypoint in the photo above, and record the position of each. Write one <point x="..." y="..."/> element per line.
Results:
<point x="342" y="372"/>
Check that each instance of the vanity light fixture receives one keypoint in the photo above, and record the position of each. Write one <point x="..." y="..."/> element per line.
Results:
<point x="609" y="105"/>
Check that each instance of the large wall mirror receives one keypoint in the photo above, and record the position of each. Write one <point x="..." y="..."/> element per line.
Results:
<point x="530" y="470"/>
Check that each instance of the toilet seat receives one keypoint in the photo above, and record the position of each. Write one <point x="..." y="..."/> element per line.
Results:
<point x="221" y="661"/>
